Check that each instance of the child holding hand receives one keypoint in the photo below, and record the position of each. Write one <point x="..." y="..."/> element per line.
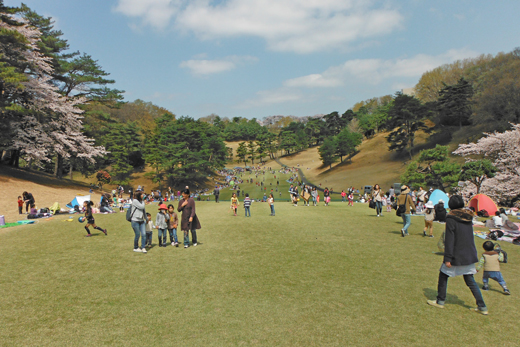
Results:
<point x="173" y="221"/>
<point x="149" y="230"/>
<point x="161" y="223"/>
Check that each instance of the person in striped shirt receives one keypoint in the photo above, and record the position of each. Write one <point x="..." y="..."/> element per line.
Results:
<point x="247" y="205"/>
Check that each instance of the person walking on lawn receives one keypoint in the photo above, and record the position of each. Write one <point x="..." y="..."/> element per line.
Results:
<point x="377" y="195"/>
<point x="406" y="200"/>
<point x="460" y="254"/>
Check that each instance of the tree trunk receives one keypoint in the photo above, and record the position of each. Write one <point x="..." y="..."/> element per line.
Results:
<point x="15" y="158"/>
<point x="58" y="167"/>
<point x="70" y="172"/>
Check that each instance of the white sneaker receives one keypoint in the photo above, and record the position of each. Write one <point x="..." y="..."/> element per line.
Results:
<point x="173" y="243"/>
<point x="144" y="250"/>
<point x="194" y="244"/>
<point x="185" y="246"/>
<point x="137" y="250"/>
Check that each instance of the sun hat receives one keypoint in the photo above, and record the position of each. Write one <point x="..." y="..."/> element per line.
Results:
<point x="405" y="189"/>
<point x="162" y="207"/>
<point x="429" y="204"/>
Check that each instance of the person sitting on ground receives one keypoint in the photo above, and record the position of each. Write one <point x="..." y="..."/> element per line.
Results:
<point x="490" y="260"/>
<point x="34" y="214"/>
<point x="497" y="220"/>
<point x="503" y="215"/>
<point x="440" y="212"/>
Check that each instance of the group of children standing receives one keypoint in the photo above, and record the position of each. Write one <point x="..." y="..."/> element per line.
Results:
<point x="166" y="219"/>
<point x="247" y="204"/>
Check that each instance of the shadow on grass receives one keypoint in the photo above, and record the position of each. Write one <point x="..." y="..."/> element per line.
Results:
<point x="431" y="294"/>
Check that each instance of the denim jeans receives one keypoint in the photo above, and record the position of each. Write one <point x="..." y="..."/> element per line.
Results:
<point x="187" y="237"/>
<point x="248" y="210"/>
<point x="379" y="207"/>
<point x="272" y="209"/>
<point x="494" y="275"/>
<point x="140" y="231"/>
<point x="162" y="235"/>
<point x="407" y="220"/>
<point x="442" y="288"/>
<point x="173" y="235"/>
<point x="149" y="235"/>
<point x="343" y="199"/>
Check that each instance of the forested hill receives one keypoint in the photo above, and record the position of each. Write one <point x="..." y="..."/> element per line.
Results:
<point x="61" y="115"/>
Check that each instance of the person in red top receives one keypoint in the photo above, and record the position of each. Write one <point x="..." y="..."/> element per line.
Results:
<point x="20" y="205"/>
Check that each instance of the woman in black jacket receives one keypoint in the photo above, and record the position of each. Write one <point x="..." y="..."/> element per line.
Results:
<point x="28" y="198"/>
<point x="460" y="254"/>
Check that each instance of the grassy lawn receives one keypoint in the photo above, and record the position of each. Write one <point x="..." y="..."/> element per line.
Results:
<point x="311" y="276"/>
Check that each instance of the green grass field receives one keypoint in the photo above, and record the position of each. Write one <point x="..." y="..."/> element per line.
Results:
<point x="311" y="276"/>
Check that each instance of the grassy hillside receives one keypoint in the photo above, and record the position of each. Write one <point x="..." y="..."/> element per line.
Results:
<point x="373" y="164"/>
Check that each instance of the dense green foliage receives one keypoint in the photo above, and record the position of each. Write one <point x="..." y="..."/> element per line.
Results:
<point x="433" y="168"/>
<point x="184" y="151"/>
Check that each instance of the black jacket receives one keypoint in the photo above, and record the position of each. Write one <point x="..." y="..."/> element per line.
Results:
<point x="459" y="241"/>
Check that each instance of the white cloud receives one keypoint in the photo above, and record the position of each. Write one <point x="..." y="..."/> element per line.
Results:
<point x="373" y="71"/>
<point x="286" y="25"/>
<point x="204" y="67"/>
<point x="156" y="13"/>
<point x="270" y="97"/>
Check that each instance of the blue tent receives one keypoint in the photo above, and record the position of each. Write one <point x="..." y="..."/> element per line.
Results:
<point x="78" y="200"/>
<point x="437" y="195"/>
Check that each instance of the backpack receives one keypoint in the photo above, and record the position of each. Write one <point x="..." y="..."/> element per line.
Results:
<point x="499" y="250"/>
<point x="129" y="214"/>
<point x="401" y="209"/>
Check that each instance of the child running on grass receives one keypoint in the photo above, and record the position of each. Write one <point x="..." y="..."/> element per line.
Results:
<point x="149" y="230"/>
<point x="490" y="260"/>
<point x="172" y="225"/>
<point x="90" y="219"/>
<point x="270" y="201"/>
<point x="429" y="216"/>
<point x="234" y="203"/>
<point x="161" y="223"/>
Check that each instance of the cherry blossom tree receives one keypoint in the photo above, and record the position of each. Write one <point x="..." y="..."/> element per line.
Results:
<point x="503" y="150"/>
<point x="43" y="124"/>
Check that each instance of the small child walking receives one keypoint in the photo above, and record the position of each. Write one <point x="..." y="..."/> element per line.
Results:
<point x="270" y="201"/>
<point x="20" y="205"/>
<point x="172" y="225"/>
<point x="234" y="203"/>
<point x="490" y="260"/>
<point x="90" y="219"/>
<point x="247" y="205"/>
<point x="149" y="230"/>
<point x="161" y="223"/>
<point x="121" y="205"/>
<point x="429" y="216"/>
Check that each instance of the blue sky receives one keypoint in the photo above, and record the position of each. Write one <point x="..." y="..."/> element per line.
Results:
<point x="257" y="58"/>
